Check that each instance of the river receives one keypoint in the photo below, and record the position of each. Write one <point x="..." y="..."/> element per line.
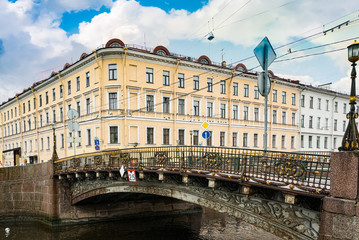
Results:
<point x="206" y="225"/>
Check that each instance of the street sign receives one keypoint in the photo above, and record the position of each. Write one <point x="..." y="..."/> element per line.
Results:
<point x="264" y="53"/>
<point x="131" y="175"/>
<point x="264" y="84"/>
<point x="205" y="125"/>
<point x="97" y="141"/>
<point x="72" y="114"/>
<point x="74" y="139"/>
<point x="73" y="126"/>
<point x="206" y="134"/>
<point x="97" y="148"/>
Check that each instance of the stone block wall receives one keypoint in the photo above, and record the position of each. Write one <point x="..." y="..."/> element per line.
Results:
<point x="28" y="191"/>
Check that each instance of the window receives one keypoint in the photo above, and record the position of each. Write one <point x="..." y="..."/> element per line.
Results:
<point x="195" y="137"/>
<point x="310" y="121"/>
<point x="344" y="108"/>
<point x="195" y="82"/>
<point x="209" y="140"/>
<point x="54" y="116"/>
<point x="112" y="99"/>
<point x="166" y="105"/>
<point x="181" y="137"/>
<point x="293" y="119"/>
<point x="327" y="105"/>
<point x="284" y="117"/>
<point x="69" y="87"/>
<point x="255" y="140"/>
<point x="325" y="142"/>
<point x="149" y="75"/>
<point x="311" y="102"/>
<point x="318" y="142"/>
<point x="336" y="107"/>
<point x="61" y="114"/>
<point x="335" y="125"/>
<point x="88" y="106"/>
<point x="245" y="113"/>
<point x="235" y="89"/>
<point x="79" y="135"/>
<point x="150" y="103"/>
<point x="209" y="109"/>
<point x="47" y="118"/>
<point x="88" y="137"/>
<point x="222" y="139"/>
<point x="245" y="139"/>
<point x="256" y="92"/>
<point x="181" y="106"/>
<point x="166" y="136"/>
<point x="78" y="107"/>
<point x="112" y="72"/>
<point x="284" y="97"/>
<point x="294" y="100"/>
<point x="78" y="84"/>
<point x="40" y="120"/>
<point x="196" y="108"/>
<point x="223" y="110"/>
<point x="334" y="142"/>
<point x="61" y="91"/>
<point x="113" y="134"/>
<point x="235" y="112"/>
<point x="319" y="103"/>
<point x="234" y="139"/>
<point x="302" y="101"/>
<point x="48" y="143"/>
<point x="310" y="140"/>
<point x="292" y="142"/>
<point x="62" y="140"/>
<point x="326" y="123"/>
<point x="41" y="144"/>
<point x="34" y="106"/>
<point x="70" y="142"/>
<point x="181" y="80"/>
<point x="53" y="94"/>
<point x="275" y="116"/>
<point x="23" y="108"/>
<point x="223" y="87"/>
<point x="275" y="95"/>
<point x="318" y="122"/>
<point x="283" y="141"/>
<point x="87" y="79"/>
<point x="166" y="78"/>
<point x="209" y="85"/>
<point x="274" y="141"/>
<point x="246" y="90"/>
<point x="29" y="108"/>
<point x="149" y="135"/>
<point x="256" y="114"/>
<point x="302" y="141"/>
<point x="344" y="126"/>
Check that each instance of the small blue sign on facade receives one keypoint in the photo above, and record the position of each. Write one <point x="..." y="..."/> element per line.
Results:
<point x="97" y="142"/>
<point x="97" y="147"/>
<point x="206" y="134"/>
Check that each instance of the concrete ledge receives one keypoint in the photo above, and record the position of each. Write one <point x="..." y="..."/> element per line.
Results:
<point x="339" y="206"/>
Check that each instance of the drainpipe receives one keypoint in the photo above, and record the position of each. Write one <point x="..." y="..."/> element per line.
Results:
<point x="37" y="127"/>
<point x="174" y="90"/>
<point x="332" y="123"/>
<point x="64" y="112"/>
<point x="21" y="129"/>
<point x="125" y="141"/>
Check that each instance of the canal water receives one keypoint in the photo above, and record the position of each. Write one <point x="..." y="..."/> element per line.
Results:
<point x="207" y="225"/>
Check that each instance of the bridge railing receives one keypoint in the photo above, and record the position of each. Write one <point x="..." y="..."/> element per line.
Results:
<point x="292" y="171"/>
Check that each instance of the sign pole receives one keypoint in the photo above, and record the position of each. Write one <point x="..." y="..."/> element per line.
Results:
<point x="265" y="99"/>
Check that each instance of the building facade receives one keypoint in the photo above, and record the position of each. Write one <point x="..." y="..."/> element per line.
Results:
<point x="128" y="96"/>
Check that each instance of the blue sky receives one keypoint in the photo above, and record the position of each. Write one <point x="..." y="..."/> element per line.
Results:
<point x="40" y="36"/>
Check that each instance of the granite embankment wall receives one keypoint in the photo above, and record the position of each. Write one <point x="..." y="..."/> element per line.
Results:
<point x="28" y="191"/>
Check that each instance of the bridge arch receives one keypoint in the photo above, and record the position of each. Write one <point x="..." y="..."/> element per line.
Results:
<point x="273" y="216"/>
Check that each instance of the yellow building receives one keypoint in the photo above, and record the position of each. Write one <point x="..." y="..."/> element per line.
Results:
<point x="127" y="97"/>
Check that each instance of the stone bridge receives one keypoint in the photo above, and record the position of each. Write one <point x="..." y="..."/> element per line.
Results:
<point x="293" y="195"/>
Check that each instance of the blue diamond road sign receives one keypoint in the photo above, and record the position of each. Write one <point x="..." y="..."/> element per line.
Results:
<point x="265" y="53"/>
<point x="206" y="134"/>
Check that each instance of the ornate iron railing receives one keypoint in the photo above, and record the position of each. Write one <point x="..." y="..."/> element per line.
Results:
<point x="289" y="171"/>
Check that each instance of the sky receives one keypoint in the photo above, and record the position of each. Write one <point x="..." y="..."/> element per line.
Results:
<point x="309" y="37"/>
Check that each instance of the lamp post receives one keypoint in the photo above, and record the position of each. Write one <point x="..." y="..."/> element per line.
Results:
<point x="54" y="153"/>
<point x="191" y="133"/>
<point x="351" y="137"/>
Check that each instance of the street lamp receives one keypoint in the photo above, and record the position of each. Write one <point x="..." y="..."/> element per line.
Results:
<point x="351" y="137"/>
<point x="54" y="153"/>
